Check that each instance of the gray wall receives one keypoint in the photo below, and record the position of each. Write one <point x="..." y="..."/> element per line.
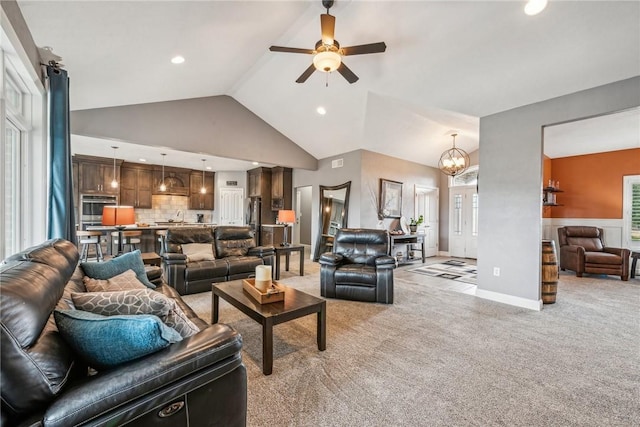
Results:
<point x="304" y="233"/>
<point x="327" y="176"/>
<point x="376" y="166"/>
<point x="510" y="229"/>
<point x="364" y="169"/>
<point x="216" y="125"/>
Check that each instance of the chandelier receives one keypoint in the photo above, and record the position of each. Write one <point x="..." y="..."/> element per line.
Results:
<point x="454" y="161"/>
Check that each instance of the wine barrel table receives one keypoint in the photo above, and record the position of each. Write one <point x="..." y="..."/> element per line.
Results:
<point x="549" y="274"/>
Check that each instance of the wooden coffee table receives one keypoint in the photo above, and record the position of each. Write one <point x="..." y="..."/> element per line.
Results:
<point x="296" y="304"/>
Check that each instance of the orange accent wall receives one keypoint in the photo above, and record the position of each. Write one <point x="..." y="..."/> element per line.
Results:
<point x="591" y="184"/>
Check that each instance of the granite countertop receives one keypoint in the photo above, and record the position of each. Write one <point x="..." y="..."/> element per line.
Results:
<point x="161" y="226"/>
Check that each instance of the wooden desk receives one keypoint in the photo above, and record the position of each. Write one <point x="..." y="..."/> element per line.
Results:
<point x="409" y="240"/>
<point x="286" y="250"/>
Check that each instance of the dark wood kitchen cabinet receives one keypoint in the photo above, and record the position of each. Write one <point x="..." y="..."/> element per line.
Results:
<point x="176" y="181"/>
<point x="197" y="200"/>
<point x="259" y="183"/>
<point x="95" y="175"/>
<point x="280" y="188"/>
<point x="136" y="184"/>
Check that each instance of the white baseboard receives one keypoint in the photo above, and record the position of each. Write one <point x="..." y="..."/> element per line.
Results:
<point x="443" y="253"/>
<point x="510" y="299"/>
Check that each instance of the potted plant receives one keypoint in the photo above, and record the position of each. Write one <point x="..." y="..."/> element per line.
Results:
<point x="414" y="223"/>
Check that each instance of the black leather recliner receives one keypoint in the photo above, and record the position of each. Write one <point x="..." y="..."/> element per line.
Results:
<point x="200" y="380"/>
<point x="359" y="267"/>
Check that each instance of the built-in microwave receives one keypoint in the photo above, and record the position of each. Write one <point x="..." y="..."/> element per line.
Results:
<point x="91" y="206"/>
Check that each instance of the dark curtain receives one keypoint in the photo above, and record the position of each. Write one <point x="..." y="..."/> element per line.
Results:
<point x="61" y="218"/>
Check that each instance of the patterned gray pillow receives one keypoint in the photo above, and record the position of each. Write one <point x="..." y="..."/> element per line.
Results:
<point x="122" y="282"/>
<point x="136" y="301"/>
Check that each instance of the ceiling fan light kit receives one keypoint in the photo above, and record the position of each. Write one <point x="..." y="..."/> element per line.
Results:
<point x="328" y="53"/>
<point x="327" y="61"/>
<point x="454" y="161"/>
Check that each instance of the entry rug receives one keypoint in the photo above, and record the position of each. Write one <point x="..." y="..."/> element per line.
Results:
<point x="451" y="269"/>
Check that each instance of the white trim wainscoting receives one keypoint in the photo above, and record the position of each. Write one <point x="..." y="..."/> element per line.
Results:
<point x="612" y="229"/>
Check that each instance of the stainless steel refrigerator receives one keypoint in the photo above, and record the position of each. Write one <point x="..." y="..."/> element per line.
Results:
<point x="254" y="213"/>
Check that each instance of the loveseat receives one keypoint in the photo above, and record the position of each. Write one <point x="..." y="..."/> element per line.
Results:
<point x="198" y="381"/>
<point x="232" y="254"/>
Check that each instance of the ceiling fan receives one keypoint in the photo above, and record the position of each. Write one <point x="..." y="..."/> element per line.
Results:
<point x="328" y="53"/>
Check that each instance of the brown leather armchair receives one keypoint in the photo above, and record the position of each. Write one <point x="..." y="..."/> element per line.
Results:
<point x="582" y="250"/>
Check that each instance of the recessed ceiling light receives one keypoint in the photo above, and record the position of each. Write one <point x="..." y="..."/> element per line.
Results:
<point x="255" y="163"/>
<point x="321" y="110"/>
<point x="177" y="59"/>
<point x="208" y="168"/>
<point x="533" y="7"/>
<point x="142" y="160"/>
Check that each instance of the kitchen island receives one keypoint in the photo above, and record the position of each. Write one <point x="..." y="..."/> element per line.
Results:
<point x="148" y="240"/>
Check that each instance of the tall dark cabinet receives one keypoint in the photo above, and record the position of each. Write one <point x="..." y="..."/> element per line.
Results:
<point x="281" y="188"/>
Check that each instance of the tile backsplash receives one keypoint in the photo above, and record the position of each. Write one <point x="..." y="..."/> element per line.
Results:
<point x="167" y="207"/>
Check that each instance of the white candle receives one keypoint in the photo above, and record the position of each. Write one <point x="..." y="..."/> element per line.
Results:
<point x="263" y="277"/>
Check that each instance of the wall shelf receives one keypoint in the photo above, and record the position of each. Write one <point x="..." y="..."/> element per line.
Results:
<point x="549" y="196"/>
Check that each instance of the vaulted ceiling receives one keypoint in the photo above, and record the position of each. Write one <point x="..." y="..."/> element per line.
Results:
<point x="447" y="63"/>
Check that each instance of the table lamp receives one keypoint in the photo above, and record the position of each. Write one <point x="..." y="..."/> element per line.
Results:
<point x="119" y="217"/>
<point x="286" y="217"/>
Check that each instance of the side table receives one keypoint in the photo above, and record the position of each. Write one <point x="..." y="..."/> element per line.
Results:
<point x="286" y="250"/>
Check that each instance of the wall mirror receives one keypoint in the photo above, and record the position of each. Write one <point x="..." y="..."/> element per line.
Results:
<point x="334" y="208"/>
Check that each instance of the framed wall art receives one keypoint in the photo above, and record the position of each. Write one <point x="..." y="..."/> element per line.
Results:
<point x="390" y="198"/>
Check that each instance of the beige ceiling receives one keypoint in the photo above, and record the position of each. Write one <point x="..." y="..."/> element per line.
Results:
<point x="447" y="62"/>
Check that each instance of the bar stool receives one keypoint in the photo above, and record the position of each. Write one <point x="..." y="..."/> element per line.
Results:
<point x="86" y="239"/>
<point x="161" y="236"/>
<point x="129" y="238"/>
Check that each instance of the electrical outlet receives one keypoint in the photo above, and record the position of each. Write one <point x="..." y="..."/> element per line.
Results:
<point x="496" y="271"/>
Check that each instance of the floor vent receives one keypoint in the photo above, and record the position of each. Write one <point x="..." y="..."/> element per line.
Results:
<point x="338" y="163"/>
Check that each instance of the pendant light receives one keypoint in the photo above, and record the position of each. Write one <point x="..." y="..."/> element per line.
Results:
<point x="114" y="183"/>
<point x="454" y="161"/>
<point x="203" y="190"/>
<point x="163" y="186"/>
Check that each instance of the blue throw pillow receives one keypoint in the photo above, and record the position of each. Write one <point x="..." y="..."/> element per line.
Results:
<point x="107" y="341"/>
<point x="113" y="267"/>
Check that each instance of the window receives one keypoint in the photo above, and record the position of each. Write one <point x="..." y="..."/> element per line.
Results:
<point x="11" y="185"/>
<point x="23" y="192"/>
<point x="631" y="212"/>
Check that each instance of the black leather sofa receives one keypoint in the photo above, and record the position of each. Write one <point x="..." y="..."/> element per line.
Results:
<point x="234" y="249"/>
<point x="198" y="381"/>
<point x="359" y="267"/>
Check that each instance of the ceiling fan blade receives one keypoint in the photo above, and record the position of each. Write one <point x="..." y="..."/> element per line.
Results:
<point x="290" y="50"/>
<point x="364" y="49"/>
<point x="328" y="25"/>
<point x="304" y="76"/>
<point x="347" y="73"/>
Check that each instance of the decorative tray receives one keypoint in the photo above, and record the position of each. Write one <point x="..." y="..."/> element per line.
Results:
<point x="274" y="294"/>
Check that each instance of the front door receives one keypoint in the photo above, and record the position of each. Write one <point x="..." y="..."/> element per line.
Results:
<point x="463" y="222"/>
<point x="426" y="203"/>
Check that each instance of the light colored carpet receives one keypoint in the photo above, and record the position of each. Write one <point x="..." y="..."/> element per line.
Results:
<point x="442" y="358"/>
